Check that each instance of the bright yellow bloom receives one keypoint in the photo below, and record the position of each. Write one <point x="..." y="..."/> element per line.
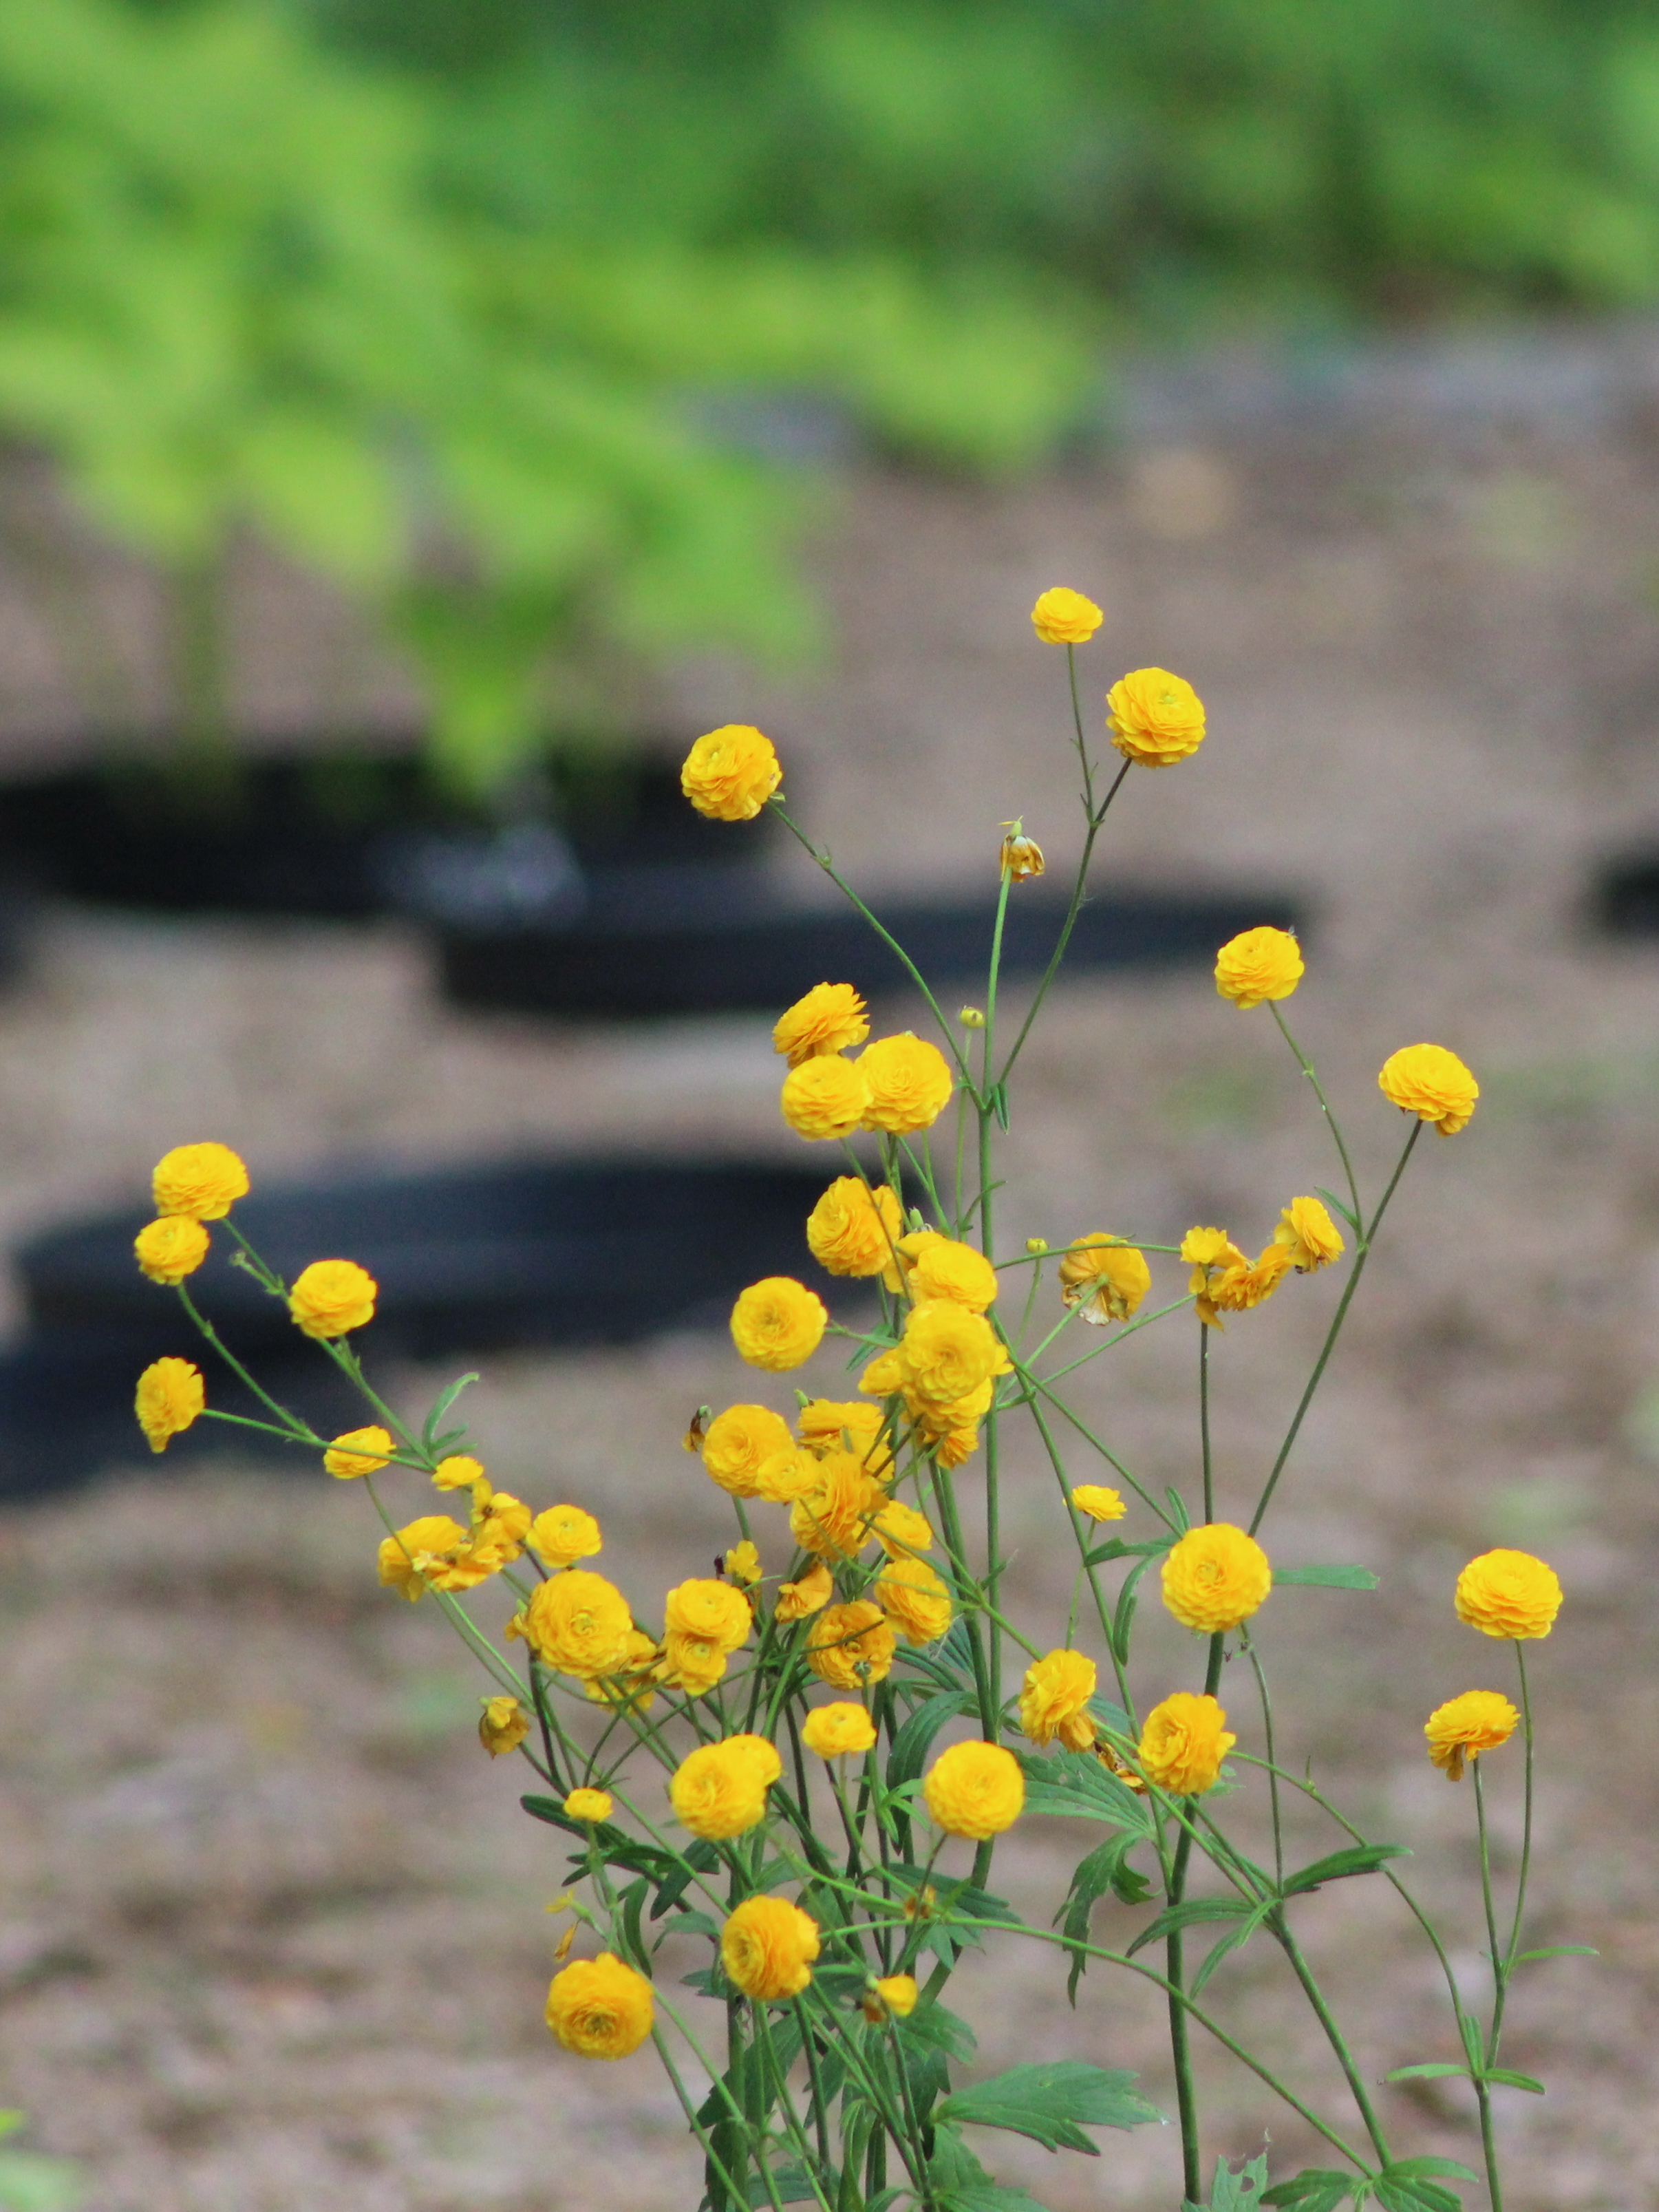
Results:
<point x="1212" y="1256"/>
<point x="826" y="1097"/>
<point x="1257" y="964"/>
<point x="588" y="1804"/>
<point x="831" y="1018"/>
<point x="1464" y="1727"/>
<point x="731" y="773"/>
<point x="1055" y="1701"/>
<point x="743" y="1563"/>
<point x="852" y="1230"/>
<point x="1063" y="617"/>
<point x="1183" y="1743"/>
<point x="713" y="1610"/>
<point x="1099" y="1502"/>
<point x="833" y="1517"/>
<point x="900" y="1531"/>
<point x="201" y="1181"/>
<point x="170" y="1396"/>
<point x="1245" y="1284"/>
<point x="974" y="1790"/>
<point x="461" y="1471"/>
<point x="787" y="1475"/>
<point x="374" y="1450"/>
<point x="800" y="1601"/>
<point x="909" y="1083"/>
<point x="1215" y="1577"/>
<point x="693" y="1664"/>
<point x="957" y="1444"/>
<point x="332" y="1296"/>
<point x="600" y="2007"/>
<point x="893" y="1993"/>
<point x="947" y="1355"/>
<point x="1310" y="1235"/>
<point x="579" y="1624"/>
<point x="170" y="1248"/>
<point x="434" y="1553"/>
<point x="1154" y="718"/>
<point x="916" y="1599"/>
<point x="850" y="1425"/>
<point x="629" y="1686"/>
<point x="737" y="1442"/>
<point x="768" y="1946"/>
<point x="838" y="1731"/>
<point x="1112" y="1276"/>
<point x="719" y="1790"/>
<point x="563" y="1534"/>
<point x="502" y="1725"/>
<point x="1509" y="1593"/>
<point x="1021" y="857"/>
<point x="500" y="1524"/>
<point x="941" y="1267"/>
<point x="778" y="1324"/>
<point x="1427" y="1081"/>
<point x="851" y="1645"/>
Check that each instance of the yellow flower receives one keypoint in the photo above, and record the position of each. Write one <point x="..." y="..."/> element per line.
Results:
<point x="1245" y="1284"/>
<point x="629" y="1686"/>
<point x="948" y="1354"/>
<point x="894" y="1993"/>
<point x="1211" y="1254"/>
<point x="778" y="1324"/>
<point x="833" y="1517"/>
<point x="1021" y="857"/>
<point x="422" y="1551"/>
<point x="500" y="1525"/>
<point x="941" y="1267"/>
<point x="838" y="1731"/>
<point x="800" y="1601"/>
<point x="909" y="1083"/>
<point x="1098" y="1502"/>
<point x="599" y="2007"/>
<point x="850" y="1645"/>
<point x="1215" y="1577"/>
<point x="826" y="1097"/>
<point x="588" y="1804"/>
<point x="201" y="1181"/>
<point x="461" y="1471"/>
<point x="374" y="1450"/>
<point x="787" y="1475"/>
<point x="169" y="1397"/>
<point x="743" y="1563"/>
<point x="1063" y="617"/>
<point x="1055" y="1701"/>
<point x="719" y="1790"/>
<point x="827" y="1424"/>
<point x="900" y="1531"/>
<point x="731" y="773"/>
<point x="1154" y="718"/>
<point x="1113" y="1277"/>
<point x="957" y="1444"/>
<point x="710" y="1610"/>
<point x="502" y="1725"/>
<point x="852" y="1230"/>
<point x="1183" y="1743"/>
<point x="1427" y="1081"/>
<point x="916" y="1599"/>
<point x="332" y="1296"/>
<point x="1465" y="1727"/>
<point x="974" y="1790"/>
<point x="768" y="1946"/>
<point x="885" y="1375"/>
<point x="737" y="1442"/>
<point x="1509" y="1593"/>
<point x="170" y="1248"/>
<point x="1310" y="1235"/>
<point x="1257" y="964"/>
<point x="693" y="1664"/>
<point x="579" y="1624"/>
<point x="563" y="1534"/>
<point x="831" y="1018"/>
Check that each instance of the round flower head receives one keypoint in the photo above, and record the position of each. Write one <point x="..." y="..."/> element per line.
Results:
<point x="693" y="1664"/>
<point x="894" y="1993"/>
<point x="1509" y="1593"/>
<point x="768" y="1946"/>
<point x="974" y="1790"/>
<point x="502" y="1725"/>
<point x="458" y="1471"/>
<point x="1108" y="1277"/>
<point x="839" y="1424"/>
<point x="359" y="1451"/>
<point x="916" y="1599"/>
<point x="778" y="1324"/>
<point x="170" y="1248"/>
<point x="900" y="1531"/>
<point x="833" y="1518"/>
<point x="332" y="1296"/>
<point x="1465" y="1727"/>
<point x="1256" y="965"/>
<point x="1063" y="617"/>
<point x="1243" y="1283"/>
<point x="203" y="1182"/>
<point x="424" y="1553"/>
<point x="947" y="1354"/>
<point x="1215" y="1577"/>
<point x="711" y="1610"/>
<point x="170" y="1396"/>
<point x="579" y="1624"/>
<point x="1308" y="1233"/>
<point x="1055" y="1701"/>
<point x="600" y="2007"/>
<point x="737" y="1441"/>
<point x="850" y="1645"/>
<point x="588" y="1805"/>
<point x="731" y="773"/>
<point x="1427" y="1081"/>
<point x="852" y="1230"/>
<point x="563" y="1534"/>
<point x="1098" y="1501"/>
<point x="1154" y="718"/>
<point x="838" y="1731"/>
<point x="800" y="1601"/>
<point x="1183" y="1743"/>
<point x="787" y="1475"/>
<point x="825" y="1098"/>
<point x="719" y="1790"/>
<point x="743" y="1563"/>
<point x="909" y="1081"/>
<point x="941" y="1267"/>
<point x="831" y="1018"/>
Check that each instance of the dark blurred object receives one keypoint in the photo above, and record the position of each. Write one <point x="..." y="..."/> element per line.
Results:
<point x="681" y="945"/>
<point x="1625" y="901"/>
<point x="467" y="1259"/>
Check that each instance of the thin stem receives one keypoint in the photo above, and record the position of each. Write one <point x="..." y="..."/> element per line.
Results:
<point x="1186" y="2090"/>
<point x="1308" y="1069"/>
<point x="1526" y="1849"/>
<point x="1096" y="817"/>
<point x="1204" y="1418"/>
<point x="1333" y="2034"/>
<point x="1255" y="1658"/>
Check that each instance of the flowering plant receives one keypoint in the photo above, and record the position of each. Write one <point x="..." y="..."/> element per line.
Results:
<point x="805" y="1770"/>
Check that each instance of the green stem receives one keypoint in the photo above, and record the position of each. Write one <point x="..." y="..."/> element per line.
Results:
<point x="1186" y="2090"/>
<point x="1526" y="1852"/>
<point x="1307" y="1067"/>
<point x="1333" y="2035"/>
<point x="1204" y="1418"/>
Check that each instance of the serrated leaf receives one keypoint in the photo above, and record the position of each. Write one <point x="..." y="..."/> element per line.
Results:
<point x="1559" y="1951"/>
<point x="960" y="2183"/>
<point x="1326" y="1577"/>
<point x="933" y="2028"/>
<point x="1075" y="1785"/>
<point x="1338" y="1206"/>
<point x="1191" y="1912"/>
<point x="1407" y="2186"/>
<point x="1339" y="1866"/>
<point x="1315" y="2189"/>
<point x="1052" y="2102"/>
<point x="1104" y="1871"/>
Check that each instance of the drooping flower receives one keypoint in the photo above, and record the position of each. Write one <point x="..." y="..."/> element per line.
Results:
<point x="824" y="1098"/>
<point x="1021" y="858"/>
<point x="1184" y="1742"/>
<point x="600" y="2007"/>
<point x="800" y="1601"/>
<point x="851" y="1645"/>
<point x="853" y="1229"/>
<point x="838" y="1731"/>
<point x="1211" y="1254"/>
<point x="1464" y="1727"/>
<point x="170" y="1248"/>
<point x="1154" y="718"/>
<point x="201" y="1181"/>
<point x="1509" y="1593"/>
<point x="434" y="1553"/>
<point x="1244" y="1284"/>
<point x="1055" y="1701"/>
<point x="170" y="1396"/>
<point x="1256" y="965"/>
<point x="909" y="1083"/>
<point x="730" y="774"/>
<point x="359" y="1451"/>
<point x="737" y="1441"/>
<point x="1215" y="1577"/>
<point x="778" y="1324"/>
<point x="331" y="1298"/>
<point x="1427" y="1081"/>
<point x="831" y="1018"/>
<point x="1107" y="1276"/>
<point x="502" y="1725"/>
<point x="1098" y="1501"/>
<point x="1312" y="1238"/>
<point x="974" y="1790"/>
<point x="563" y="1534"/>
<point x="1063" y="617"/>
<point x="768" y="1946"/>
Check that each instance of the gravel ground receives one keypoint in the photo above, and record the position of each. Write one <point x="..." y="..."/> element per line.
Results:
<point x="271" y="1928"/>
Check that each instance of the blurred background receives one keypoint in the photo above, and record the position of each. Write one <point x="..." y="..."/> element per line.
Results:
<point x="416" y="424"/>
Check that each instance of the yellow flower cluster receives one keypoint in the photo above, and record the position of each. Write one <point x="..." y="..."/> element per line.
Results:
<point x="768" y="1946"/>
<point x="898" y="1085"/>
<point x="1055" y="1701"/>
<point x="704" y="1622"/>
<point x="974" y="1790"/>
<point x="944" y="1368"/>
<point x="855" y="1230"/>
<point x="1227" y="1280"/>
<point x="435" y="1552"/>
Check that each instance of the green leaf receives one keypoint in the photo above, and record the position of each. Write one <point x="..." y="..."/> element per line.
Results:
<point x="1105" y="1871"/>
<point x="1235" y="2192"/>
<point x="1123" y="1616"/>
<point x="1052" y="2102"/>
<point x="1559" y="1951"/>
<point x="791" y="2185"/>
<point x="1178" y="1511"/>
<point x="1075" y="1785"/>
<point x="1326" y="1577"/>
<point x="1117" y="1549"/>
<point x="934" y="2027"/>
<point x="1315" y="2189"/>
<point x="1473" y="2043"/>
<point x="910" y="1746"/>
<point x="1234" y="1939"/>
<point x="445" y="1399"/>
<point x="1434" y="2070"/>
<point x="1191" y="1912"/>
<point x="1409" y="2185"/>
<point x="1362" y="1858"/>
<point x="30" y="2182"/>
<point x="960" y="2183"/>
<point x="1338" y="1206"/>
<point x="1513" y="2081"/>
